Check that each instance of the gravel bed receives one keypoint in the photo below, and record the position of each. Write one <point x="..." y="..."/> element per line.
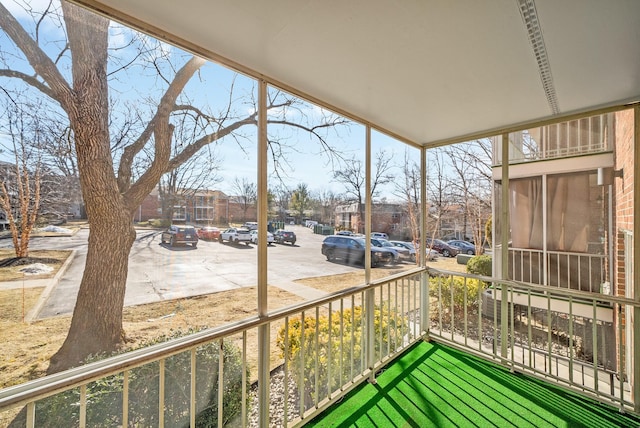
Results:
<point x="276" y="407"/>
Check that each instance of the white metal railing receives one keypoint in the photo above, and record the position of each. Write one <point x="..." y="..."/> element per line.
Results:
<point x="583" y="136"/>
<point x="319" y="351"/>
<point x="570" y="337"/>
<point x="560" y="269"/>
<point x="322" y="349"/>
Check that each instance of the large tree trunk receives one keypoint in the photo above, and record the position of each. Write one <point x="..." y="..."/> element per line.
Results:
<point x="96" y="325"/>
<point x="111" y="235"/>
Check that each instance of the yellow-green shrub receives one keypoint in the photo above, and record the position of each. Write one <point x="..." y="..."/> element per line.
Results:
<point x="339" y="348"/>
<point x="441" y="287"/>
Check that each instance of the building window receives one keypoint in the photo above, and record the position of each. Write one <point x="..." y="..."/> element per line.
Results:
<point x="179" y="213"/>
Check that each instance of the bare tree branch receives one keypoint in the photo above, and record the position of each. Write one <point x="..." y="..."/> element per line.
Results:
<point x="159" y="126"/>
<point x="39" y="61"/>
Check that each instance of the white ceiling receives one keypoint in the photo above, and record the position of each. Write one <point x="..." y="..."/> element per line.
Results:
<point x="426" y="70"/>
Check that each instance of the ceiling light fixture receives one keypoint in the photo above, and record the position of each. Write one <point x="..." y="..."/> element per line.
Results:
<point x="530" y="18"/>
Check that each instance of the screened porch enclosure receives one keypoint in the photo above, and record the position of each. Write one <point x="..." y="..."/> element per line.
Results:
<point x="561" y="302"/>
<point x="325" y="348"/>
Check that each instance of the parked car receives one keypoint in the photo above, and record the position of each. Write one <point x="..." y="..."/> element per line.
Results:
<point x="251" y="225"/>
<point x="463" y="247"/>
<point x="176" y="235"/>
<point x="254" y="237"/>
<point x="429" y="255"/>
<point x="442" y="247"/>
<point x="209" y="233"/>
<point x="235" y="235"/>
<point x="408" y="246"/>
<point x="379" y="235"/>
<point x="351" y="251"/>
<point x="281" y="236"/>
<point x="345" y="233"/>
<point x="400" y="254"/>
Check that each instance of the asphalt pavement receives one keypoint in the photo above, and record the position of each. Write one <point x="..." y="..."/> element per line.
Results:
<point x="158" y="272"/>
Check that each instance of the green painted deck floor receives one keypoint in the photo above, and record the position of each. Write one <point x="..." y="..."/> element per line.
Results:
<point x="432" y="385"/>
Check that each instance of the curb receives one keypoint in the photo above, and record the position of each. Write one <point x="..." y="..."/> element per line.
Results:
<point x="33" y="313"/>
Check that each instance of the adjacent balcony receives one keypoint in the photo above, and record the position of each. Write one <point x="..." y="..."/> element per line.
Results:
<point x="585" y="136"/>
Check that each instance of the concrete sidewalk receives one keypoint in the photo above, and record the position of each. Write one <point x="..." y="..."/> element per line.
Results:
<point x="26" y="282"/>
<point x="47" y="283"/>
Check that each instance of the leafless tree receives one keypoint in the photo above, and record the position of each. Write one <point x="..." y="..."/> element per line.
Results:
<point x="327" y="201"/>
<point x="439" y="191"/>
<point x="407" y="188"/>
<point x="352" y="177"/>
<point x="117" y="170"/>
<point x="198" y="173"/>
<point x="470" y="170"/>
<point x="281" y="199"/>
<point x="20" y="182"/>
<point x="61" y="194"/>
<point x="245" y="193"/>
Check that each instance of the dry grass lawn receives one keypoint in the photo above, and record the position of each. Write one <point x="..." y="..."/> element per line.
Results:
<point x="27" y="347"/>
<point x="53" y="258"/>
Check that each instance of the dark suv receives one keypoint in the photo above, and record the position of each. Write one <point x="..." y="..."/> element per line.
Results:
<point x="281" y="236"/>
<point x="180" y="235"/>
<point x="351" y="251"/>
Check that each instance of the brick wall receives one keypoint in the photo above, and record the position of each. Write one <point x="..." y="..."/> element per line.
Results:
<point x="623" y="206"/>
<point x="623" y="191"/>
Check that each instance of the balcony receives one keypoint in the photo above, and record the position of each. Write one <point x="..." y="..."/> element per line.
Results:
<point x="585" y="136"/>
<point x="321" y="351"/>
<point x="560" y="269"/>
<point x="436" y="385"/>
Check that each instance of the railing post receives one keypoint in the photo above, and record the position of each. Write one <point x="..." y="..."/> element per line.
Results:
<point x="504" y="245"/>
<point x="424" y="304"/>
<point x="370" y="332"/>
<point x="31" y="415"/>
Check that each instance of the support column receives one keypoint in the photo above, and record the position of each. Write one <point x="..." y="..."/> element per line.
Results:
<point x="370" y="294"/>
<point x="636" y="256"/>
<point x="424" y="278"/>
<point x="263" y="330"/>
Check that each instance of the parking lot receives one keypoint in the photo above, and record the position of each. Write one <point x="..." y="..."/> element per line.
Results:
<point x="159" y="272"/>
